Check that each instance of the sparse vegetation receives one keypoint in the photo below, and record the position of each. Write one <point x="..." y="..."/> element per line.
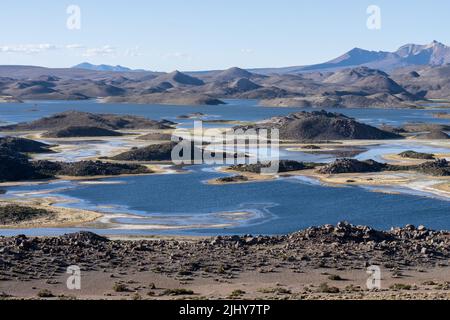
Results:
<point x="416" y="155"/>
<point x="325" y="288"/>
<point x="277" y="290"/>
<point x="136" y="296"/>
<point x="335" y="277"/>
<point x="237" y="293"/>
<point x="352" y="288"/>
<point x="177" y="292"/>
<point x="45" y="293"/>
<point x="120" y="287"/>
<point x="400" y="286"/>
<point x="13" y="214"/>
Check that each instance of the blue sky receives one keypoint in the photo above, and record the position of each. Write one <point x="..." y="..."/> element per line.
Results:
<point x="210" y="34"/>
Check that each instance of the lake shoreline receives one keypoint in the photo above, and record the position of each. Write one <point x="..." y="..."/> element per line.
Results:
<point x="378" y="182"/>
<point x="102" y="148"/>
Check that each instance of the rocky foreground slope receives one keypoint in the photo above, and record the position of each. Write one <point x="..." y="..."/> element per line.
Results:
<point x="343" y="246"/>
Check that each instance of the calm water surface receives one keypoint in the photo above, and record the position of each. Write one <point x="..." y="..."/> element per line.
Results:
<point x="245" y="110"/>
<point x="275" y="207"/>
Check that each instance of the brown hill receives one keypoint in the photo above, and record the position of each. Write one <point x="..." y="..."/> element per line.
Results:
<point x="322" y="125"/>
<point x="81" y="131"/>
<point x="434" y="135"/>
<point x="75" y="118"/>
<point x="23" y="145"/>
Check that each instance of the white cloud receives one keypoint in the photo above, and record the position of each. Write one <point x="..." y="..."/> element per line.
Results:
<point x="247" y="51"/>
<point x="74" y="46"/>
<point x="133" y="52"/>
<point x="30" y="49"/>
<point x="101" y="51"/>
<point x="27" y="48"/>
<point x="178" y="55"/>
<point x="74" y="49"/>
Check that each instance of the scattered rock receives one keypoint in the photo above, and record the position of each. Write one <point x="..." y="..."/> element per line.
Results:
<point x="343" y="247"/>
<point x="416" y="155"/>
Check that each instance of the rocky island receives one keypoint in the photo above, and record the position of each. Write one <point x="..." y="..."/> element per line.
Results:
<point x="322" y="125"/>
<point x="81" y="131"/>
<point x="72" y="119"/>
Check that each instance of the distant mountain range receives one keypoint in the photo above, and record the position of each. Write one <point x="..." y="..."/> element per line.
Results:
<point x="433" y="54"/>
<point x="104" y="67"/>
<point x="410" y="77"/>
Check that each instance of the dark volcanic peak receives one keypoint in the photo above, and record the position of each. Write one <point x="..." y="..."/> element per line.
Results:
<point x="244" y="84"/>
<point x="352" y="75"/>
<point x="155" y="152"/>
<point x="283" y="166"/>
<point x="179" y="78"/>
<point x="414" y="74"/>
<point x="322" y="125"/>
<point x="232" y="74"/>
<point x="155" y="136"/>
<point x="165" y="85"/>
<point x="265" y="93"/>
<point x="87" y="168"/>
<point x="430" y="82"/>
<point x="366" y="78"/>
<point x="81" y="131"/>
<point x="14" y="163"/>
<point x="23" y="145"/>
<point x="434" y="135"/>
<point x="352" y="166"/>
<point x="15" y="166"/>
<point x="75" y="118"/>
<point x="434" y="54"/>
<point x="354" y="57"/>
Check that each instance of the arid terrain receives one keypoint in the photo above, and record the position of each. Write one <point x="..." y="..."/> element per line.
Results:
<point x="328" y="262"/>
<point x="325" y="262"/>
